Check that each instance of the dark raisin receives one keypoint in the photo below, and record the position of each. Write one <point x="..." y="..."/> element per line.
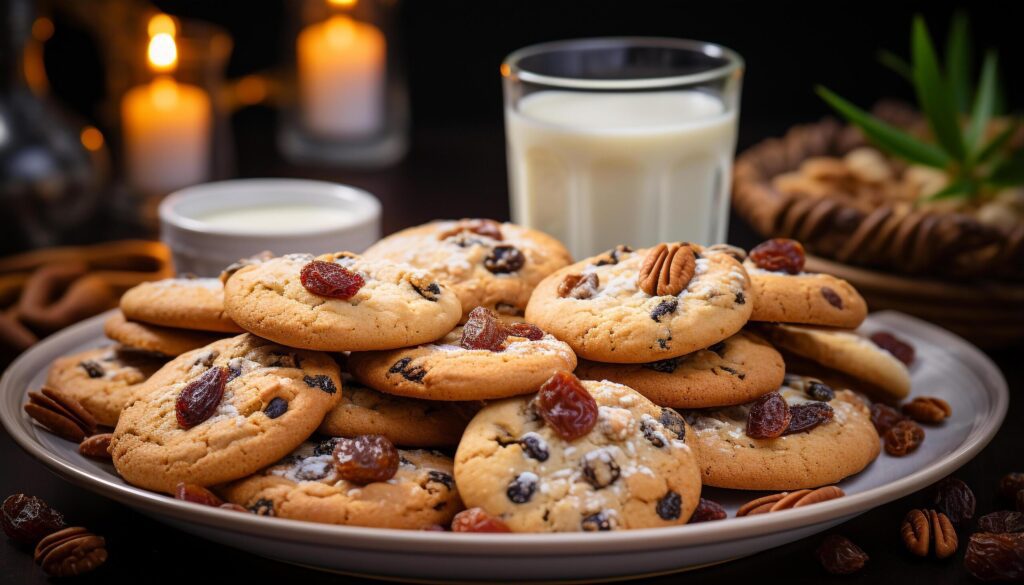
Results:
<point x="670" y="506"/>
<point x="521" y="489"/>
<point x="566" y="406"/>
<point x="262" y="507"/>
<point x="740" y="298"/>
<point x="200" y="398"/>
<point x="768" y="418"/>
<point x="442" y="478"/>
<point x="92" y="368"/>
<point x="902" y="350"/>
<point x="504" y="259"/>
<point x="664" y="366"/>
<point x="534" y="446"/>
<point x="276" y="407"/>
<point x="832" y="297"/>
<point x="1010" y="484"/>
<point x="718" y="348"/>
<point x="321" y="382"/>
<point x="674" y="422"/>
<point x="413" y="374"/>
<point x="995" y="557"/>
<point x="819" y="391"/>
<point x="707" y="511"/>
<point x="596" y="523"/>
<point x="664" y="308"/>
<point x="197" y="494"/>
<point x="840" y="556"/>
<point x="652" y="433"/>
<point x="804" y="417"/>
<point x="600" y="469"/>
<point x="527" y="330"/>
<point x="330" y="279"/>
<point x="326" y="447"/>
<point x="366" y="459"/>
<point x="1002" y="521"/>
<point x="483" y="331"/>
<point x="955" y="499"/>
<point x="903" y="438"/>
<point x="476" y="520"/>
<point x="431" y="292"/>
<point x="884" y="417"/>
<point x="27" y="519"/>
<point x="779" y="255"/>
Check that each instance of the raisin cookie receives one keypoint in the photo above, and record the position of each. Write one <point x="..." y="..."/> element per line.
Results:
<point x="405" y="421"/>
<point x="829" y="436"/>
<point x="600" y="309"/>
<point x="486" y="263"/>
<point x="182" y="303"/>
<point x="222" y="412"/>
<point x="102" y="379"/>
<point x="634" y="469"/>
<point x="306" y="486"/>
<point x="875" y="370"/>
<point x="340" y="302"/>
<point x="165" y="341"/>
<point x="737" y="370"/>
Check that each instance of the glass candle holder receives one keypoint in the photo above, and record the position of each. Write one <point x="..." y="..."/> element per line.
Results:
<point x="350" y="106"/>
<point x="622" y="140"/>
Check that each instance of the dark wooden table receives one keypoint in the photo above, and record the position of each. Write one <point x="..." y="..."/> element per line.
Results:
<point x="460" y="172"/>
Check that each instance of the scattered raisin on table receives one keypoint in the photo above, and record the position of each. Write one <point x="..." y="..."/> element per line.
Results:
<point x="769" y="417"/>
<point x="840" y="556"/>
<point x="1010" y="484"/>
<point x="707" y="511"/>
<point x="1001" y="522"/>
<point x="366" y="459"/>
<point x="477" y="520"/>
<point x="903" y="438"/>
<point x="779" y="255"/>
<point x="199" y="399"/>
<point x="26" y="519"/>
<point x="884" y="417"/>
<point x="566" y="406"/>
<point x="955" y="499"/>
<point x="902" y="350"/>
<point x="995" y="557"/>
<point x="330" y="279"/>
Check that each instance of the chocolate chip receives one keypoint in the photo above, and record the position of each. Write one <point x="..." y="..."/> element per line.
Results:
<point x="673" y="421"/>
<point x="833" y="299"/>
<point x="741" y="299"/>
<point x="430" y="292"/>
<point x="664" y="366"/>
<point x="93" y="369"/>
<point x="600" y="469"/>
<point x="413" y="374"/>
<point x="521" y="489"/>
<point x="504" y="259"/>
<point x="718" y="348"/>
<point x="819" y="391"/>
<point x="669" y="507"/>
<point x="322" y="382"/>
<point x="652" y="433"/>
<point x="276" y="407"/>
<point x="442" y="478"/>
<point x="596" y="523"/>
<point x="262" y="507"/>
<point x="664" y="308"/>
<point x="534" y="446"/>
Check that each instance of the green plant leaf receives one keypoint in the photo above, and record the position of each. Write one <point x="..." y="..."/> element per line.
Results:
<point x="958" y="61"/>
<point x="897" y="64"/>
<point x="933" y="93"/>
<point x="1009" y="172"/>
<point x="958" y="189"/>
<point x="997" y="142"/>
<point x="885" y="136"/>
<point x="984" y="100"/>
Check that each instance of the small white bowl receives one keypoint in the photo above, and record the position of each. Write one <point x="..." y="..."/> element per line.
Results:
<point x="203" y="245"/>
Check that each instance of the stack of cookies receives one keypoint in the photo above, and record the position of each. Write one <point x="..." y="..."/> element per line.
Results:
<point x="434" y="373"/>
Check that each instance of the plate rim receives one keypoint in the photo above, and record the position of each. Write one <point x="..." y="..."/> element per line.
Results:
<point x="21" y="429"/>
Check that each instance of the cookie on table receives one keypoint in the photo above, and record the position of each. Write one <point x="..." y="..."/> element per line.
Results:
<point x="166" y="341"/>
<point x="837" y="440"/>
<point x="407" y="422"/>
<point x="182" y="303"/>
<point x="306" y="486"/>
<point x="487" y="264"/>
<point x="784" y="293"/>
<point x="641" y="306"/>
<point x="102" y="379"/>
<point x="634" y="469"/>
<point x="877" y="371"/>
<point x="223" y="412"/>
<point x="507" y="363"/>
<point x="340" y="302"/>
<point x="737" y="370"/>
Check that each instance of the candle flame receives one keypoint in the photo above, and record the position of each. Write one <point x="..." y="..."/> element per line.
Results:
<point x="162" y="24"/>
<point x="163" y="52"/>
<point x="343" y="3"/>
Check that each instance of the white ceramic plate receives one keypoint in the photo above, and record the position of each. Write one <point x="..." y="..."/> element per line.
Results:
<point x="947" y="367"/>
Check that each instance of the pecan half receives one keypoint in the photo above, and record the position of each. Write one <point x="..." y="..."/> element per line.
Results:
<point x="96" y="446"/>
<point x="922" y="528"/>
<point x="578" y="286"/>
<point x="70" y="552"/>
<point x="667" y="269"/>
<point x="928" y="409"/>
<point x="789" y="500"/>
<point x="61" y="414"/>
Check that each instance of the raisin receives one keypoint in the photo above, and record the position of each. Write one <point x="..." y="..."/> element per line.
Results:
<point x="276" y="407"/>
<point x="476" y="520"/>
<point x="600" y="469"/>
<point x="566" y="406"/>
<point x="504" y="259"/>
<point x="430" y="292"/>
<point x="197" y="494"/>
<point x="768" y="418"/>
<point x="820" y="392"/>
<point x="740" y="298"/>
<point x="527" y="330"/>
<point x="441" y="477"/>
<point x="805" y="417"/>
<point x="27" y="519"/>
<point x="903" y="438"/>
<point x="670" y="506"/>
<point x="884" y="417"/>
<point x="955" y="499"/>
<point x="1010" y="484"/>
<point x="366" y="459"/>
<point x="652" y="433"/>
<point x="664" y="366"/>
<point x="331" y="280"/>
<point x="326" y="447"/>
<point x="840" y="556"/>
<point x="483" y="331"/>
<point x="262" y="507"/>
<point x="902" y="350"/>
<point x="321" y="382"/>
<point x="92" y="368"/>
<point x="534" y="446"/>
<point x="199" y="399"/>
<point x="664" y="308"/>
<point x="779" y="255"/>
<point x="614" y="255"/>
<point x="674" y="422"/>
<point x="1001" y="522"/>
<point x="599" y="522"/>
<point x="995" y="557"/>
<point x="832" y="297"/>
<point x="522" y="488"/>
<point x="707" y="511"/>
<point x="578" y="286"/>
<point x="413" y="374"/>
<point x="718" y="348"/>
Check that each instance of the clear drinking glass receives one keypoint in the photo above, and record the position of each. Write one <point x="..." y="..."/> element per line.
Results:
<point x="622" y="140"/>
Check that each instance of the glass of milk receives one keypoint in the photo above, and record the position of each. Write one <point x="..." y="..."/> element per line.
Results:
<point x="622" y="140"/>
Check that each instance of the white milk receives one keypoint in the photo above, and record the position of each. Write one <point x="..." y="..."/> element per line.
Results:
<point x="600" y="169"/>
<point x="278" y="219"/>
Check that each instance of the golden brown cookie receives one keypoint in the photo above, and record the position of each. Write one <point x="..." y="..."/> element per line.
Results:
<point x="813" y="299"/>
<point x="165" y="341"/>
<point x="182" y="303"/>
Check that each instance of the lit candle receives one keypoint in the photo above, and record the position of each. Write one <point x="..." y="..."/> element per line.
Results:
<point x="167" y="126"/>
<point x="341" y="77"/>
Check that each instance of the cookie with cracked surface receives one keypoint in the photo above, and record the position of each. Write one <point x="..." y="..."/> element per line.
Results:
<point x="306" y="486"/>
<point x="182" y="303"/>
<point x="223" y="412"/>
<point x="487" y="264"/>
<point x="808" y="298"/>
<point x="875" y="370"/>
<point x="734" y="371"/>
<point x="102" y="379"/>
<point x="385" y="306"/>
<point x="405" y="421"/>
<point x="598" y="308"/>
<point x="166" y="341"/>
<point x="837" y="444"/>
<point x="446" y="370"/>
<point x="634" y="469"/>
